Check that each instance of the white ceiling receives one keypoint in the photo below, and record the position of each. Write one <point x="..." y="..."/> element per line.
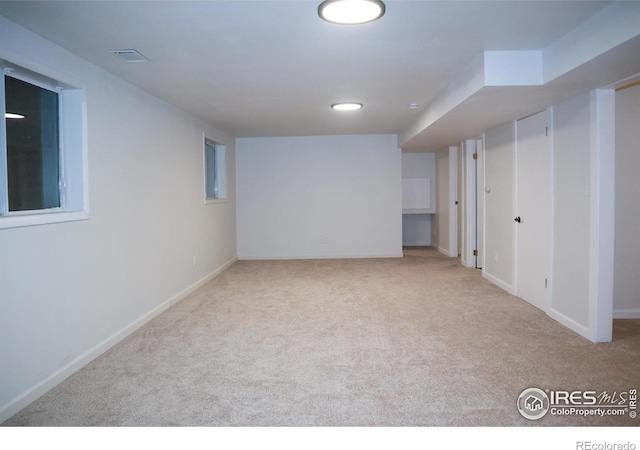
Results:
<point x="263" y="68"/>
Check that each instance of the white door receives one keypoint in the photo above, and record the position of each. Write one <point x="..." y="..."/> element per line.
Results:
<point x="533" y="210"/>
<point x="480" y="204"/>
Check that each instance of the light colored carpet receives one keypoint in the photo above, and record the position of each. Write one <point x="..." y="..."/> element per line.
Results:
<point x="413" y="341"/>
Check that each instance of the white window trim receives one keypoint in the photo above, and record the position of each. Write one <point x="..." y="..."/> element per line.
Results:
<point x="221" y="171"/>
<point x="74" y="154"/>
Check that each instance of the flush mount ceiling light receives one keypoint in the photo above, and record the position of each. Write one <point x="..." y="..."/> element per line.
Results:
<point x="13" y="116"/>
<point x="348" y="106"/>
<point x="351" y="12"/>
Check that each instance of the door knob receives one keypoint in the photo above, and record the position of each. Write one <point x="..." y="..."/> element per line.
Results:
<point x="518" y="219"/>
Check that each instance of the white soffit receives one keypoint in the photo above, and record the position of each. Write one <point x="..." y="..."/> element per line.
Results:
<point x="508" y="85"/>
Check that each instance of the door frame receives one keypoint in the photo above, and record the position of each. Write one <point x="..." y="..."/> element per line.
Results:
<point x="480" y="202"/>
<point x="469" y="230"/>
<point x="472" y="203"/>
<point x="453" y="201"/>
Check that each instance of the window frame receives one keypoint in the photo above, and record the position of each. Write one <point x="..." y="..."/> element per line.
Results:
<point x="72" y="147"/>
<point x="219" y="169"/>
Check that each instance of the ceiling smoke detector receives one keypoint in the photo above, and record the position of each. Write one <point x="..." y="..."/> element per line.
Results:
<point x="130" y="55"/>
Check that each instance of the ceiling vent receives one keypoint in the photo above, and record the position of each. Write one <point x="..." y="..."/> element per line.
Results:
<point x="130" y="55"/>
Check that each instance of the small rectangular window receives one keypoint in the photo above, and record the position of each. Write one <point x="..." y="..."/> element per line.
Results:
<point x="43" y="159"/>
<point x="33" y="147"/>
<point x="215" y="179"/>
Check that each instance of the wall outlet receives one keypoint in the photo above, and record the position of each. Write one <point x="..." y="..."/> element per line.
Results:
<point x="495" y="257"/>
<point x="324" y="240"/>
<point x="195" y="261"/>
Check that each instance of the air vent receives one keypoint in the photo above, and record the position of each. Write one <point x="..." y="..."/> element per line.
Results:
<point x="130" y="55"/>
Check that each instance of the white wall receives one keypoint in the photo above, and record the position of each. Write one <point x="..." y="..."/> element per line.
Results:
<point x="582" y="147"/>
<point x="571" y="209"/>
<point x="626" y="289"/>
<point x="319" y="197"/>
<point x="416" y="228"/>
<point x="499" y="203"/>
<point x="419" y="165"/>
<point x="69" y="291"/>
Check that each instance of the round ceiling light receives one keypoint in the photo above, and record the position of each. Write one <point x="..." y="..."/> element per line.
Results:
<point x="351" y="12"/>
<point x="349" y="106"/>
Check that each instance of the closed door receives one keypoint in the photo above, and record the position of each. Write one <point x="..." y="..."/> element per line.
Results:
<point x="533" y="221"/>
<point x="479" y="203"/>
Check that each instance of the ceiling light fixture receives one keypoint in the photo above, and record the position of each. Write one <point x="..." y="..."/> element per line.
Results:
<point x="348" y="106"/>
<point x="351" y="12"/>
<point x="13" y="116"/>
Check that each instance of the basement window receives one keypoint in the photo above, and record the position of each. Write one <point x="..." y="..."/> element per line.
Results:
<point x="42" y="158"/>
<point x="215" y="172"/>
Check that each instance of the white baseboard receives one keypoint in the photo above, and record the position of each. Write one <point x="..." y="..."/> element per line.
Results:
<point x="626" y="313"/>
<point x="416" y="244"/>
<point x="468" y="263"/>
<point x="445" y="252"/>
<point x="498" y="282"/>
<point x="570" y="323"/>
<point x="294" y="257"/>
<point x="555" y="315"/>
<point x="23" y="400"/>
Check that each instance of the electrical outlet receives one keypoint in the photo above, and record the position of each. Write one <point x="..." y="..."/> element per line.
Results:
<point x="195" y="261"/>
<point x="495" y="257"/>
<point x="324" y="240"/>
